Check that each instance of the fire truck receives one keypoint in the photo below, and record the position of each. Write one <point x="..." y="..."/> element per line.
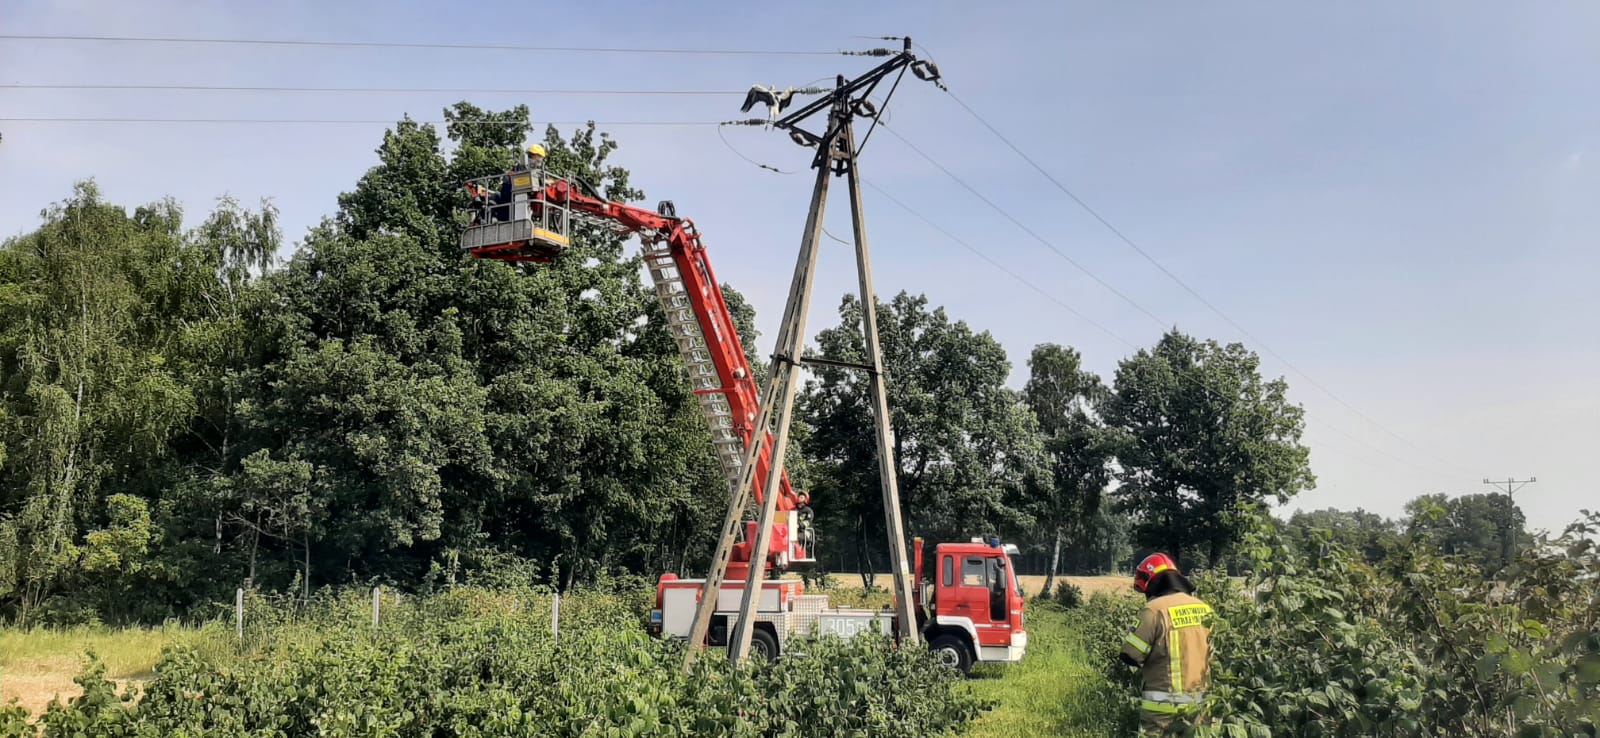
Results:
<point x="968" y="606"/>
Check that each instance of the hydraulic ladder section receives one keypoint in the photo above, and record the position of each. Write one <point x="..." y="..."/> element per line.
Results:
<point x="685" y="328"/>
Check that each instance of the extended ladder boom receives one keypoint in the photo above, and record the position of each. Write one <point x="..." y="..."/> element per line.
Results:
<point x="701" y="325"/>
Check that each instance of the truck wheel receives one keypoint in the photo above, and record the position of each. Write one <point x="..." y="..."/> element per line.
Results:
<point x="763" y="646"/>
<point x="952" y="651"/>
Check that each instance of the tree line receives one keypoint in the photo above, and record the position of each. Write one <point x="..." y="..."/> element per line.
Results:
<point x="181" y="412"/>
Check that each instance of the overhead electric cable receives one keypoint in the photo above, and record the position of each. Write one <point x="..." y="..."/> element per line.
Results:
<point x="1113" y="334"/>
<point x="1129" y="242"/>
<point x="348" y="121"/>
<point x="1018" y="223"/>
<point x="396" y="90"/>
<point x="408" y="45"/>
<point x="980" y="254"/>
<point x="1169" y="273"/>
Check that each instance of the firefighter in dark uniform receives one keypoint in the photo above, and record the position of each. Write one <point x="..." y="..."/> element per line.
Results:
<point x="806" y="524"/>
<point x="1171" y="646"/>
<point x="532" y="162"/>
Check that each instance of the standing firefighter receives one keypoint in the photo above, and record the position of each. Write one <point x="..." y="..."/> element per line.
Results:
<point x="1171" y="646"/>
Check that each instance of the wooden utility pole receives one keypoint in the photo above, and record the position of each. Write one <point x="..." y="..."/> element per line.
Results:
<point x="887" y="478"/>
<point x="837" y="155"/>
<point x="1510" y="487"/>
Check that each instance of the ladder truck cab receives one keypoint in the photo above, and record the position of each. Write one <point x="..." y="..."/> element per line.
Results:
<point x="969" y="609"/>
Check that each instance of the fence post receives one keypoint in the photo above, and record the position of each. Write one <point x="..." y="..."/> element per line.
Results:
<point x="376" y="598"/>
<point x="238" y="612"/>
<point x="555" y="618"/>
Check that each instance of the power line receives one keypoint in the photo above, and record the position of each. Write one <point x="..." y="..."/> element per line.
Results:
<point x="1057" y="301"/>
<point x="1018" y="223"/>
<point x="326" y="121"/>
<point x="1113" y="334"/>
<point x="1180" y="282"/>
<point x="980" y="254"/>
<point x="759" y="165"/>
<point x="408" y="45"/>
<point x="397" y="90"/>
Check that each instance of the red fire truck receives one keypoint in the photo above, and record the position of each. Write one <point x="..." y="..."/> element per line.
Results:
<point x="969" y="607"/>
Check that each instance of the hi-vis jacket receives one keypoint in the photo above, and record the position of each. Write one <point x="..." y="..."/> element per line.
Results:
<point x="1173" y="645"/>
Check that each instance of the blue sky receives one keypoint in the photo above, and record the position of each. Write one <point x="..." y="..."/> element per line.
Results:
<point x="1399" y="199"/>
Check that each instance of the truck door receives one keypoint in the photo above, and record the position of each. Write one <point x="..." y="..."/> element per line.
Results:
<point x="981" y="594"/>
<point x="999" y="590"/>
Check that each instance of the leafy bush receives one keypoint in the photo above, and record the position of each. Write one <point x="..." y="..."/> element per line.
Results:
<point x="1068" y="595"/>
<point x="1102" y="621"/>
<point x="483" y="664"/>
<point x="1423" y="645"/>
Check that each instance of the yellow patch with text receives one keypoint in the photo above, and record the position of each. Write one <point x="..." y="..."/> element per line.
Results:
<point x="1188" y="616"/>
<point x="522" y="181"/>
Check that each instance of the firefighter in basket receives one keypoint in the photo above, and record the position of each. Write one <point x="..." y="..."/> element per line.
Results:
<point x="532" y="164"/>
<point x="1170" y="646"/>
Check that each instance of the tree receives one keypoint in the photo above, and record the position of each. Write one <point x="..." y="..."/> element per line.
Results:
<point x="967" y="451"/>
<point x="171" y="401"/>
<point x="103" y="316"/>
<point x="1202" y="436"/>
<point x="1065" y="398"/>
<point x="446" y="405"/>
<point x="1478" y="527"/>
<point x="1368" y="534"/>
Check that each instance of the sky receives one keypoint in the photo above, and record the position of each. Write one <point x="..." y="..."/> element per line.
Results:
<point x="1397" y="201"/>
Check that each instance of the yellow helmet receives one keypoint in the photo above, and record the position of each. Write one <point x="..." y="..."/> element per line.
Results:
<point x="535" y="150"/>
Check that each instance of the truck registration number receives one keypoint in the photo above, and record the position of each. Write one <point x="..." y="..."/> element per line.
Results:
<point x="850" y="627"/>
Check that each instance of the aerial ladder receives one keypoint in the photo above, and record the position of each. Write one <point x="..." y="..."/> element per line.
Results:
<point x="531" y="220"/>
<point x="972" y="610"/>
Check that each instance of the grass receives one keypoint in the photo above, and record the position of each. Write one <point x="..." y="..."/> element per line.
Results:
<point x="40" y="651"/>
<point x="1054" y="691"/>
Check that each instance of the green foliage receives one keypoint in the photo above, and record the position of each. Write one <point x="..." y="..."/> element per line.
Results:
<point x="1066" y="399"/>
<point x="483" y="663"/>
<point x="380" y="407"/>
<point x="1360" y="532"/>
<point x="1318" y="642"/>
<point x="1484" y="528"/>
<point x="1203" y="437"/>
<point x="1104" y="619"/>
<point x="123" y="544"/>
<point x="1421" y="644"/>
<point x="105" y="318"/>
<point x="968" y="451"/>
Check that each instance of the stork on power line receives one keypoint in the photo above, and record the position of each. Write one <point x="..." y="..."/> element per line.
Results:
<point x="837" y="154"/>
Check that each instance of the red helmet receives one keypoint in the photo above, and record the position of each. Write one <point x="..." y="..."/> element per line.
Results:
<point x="1151" y="566"/>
